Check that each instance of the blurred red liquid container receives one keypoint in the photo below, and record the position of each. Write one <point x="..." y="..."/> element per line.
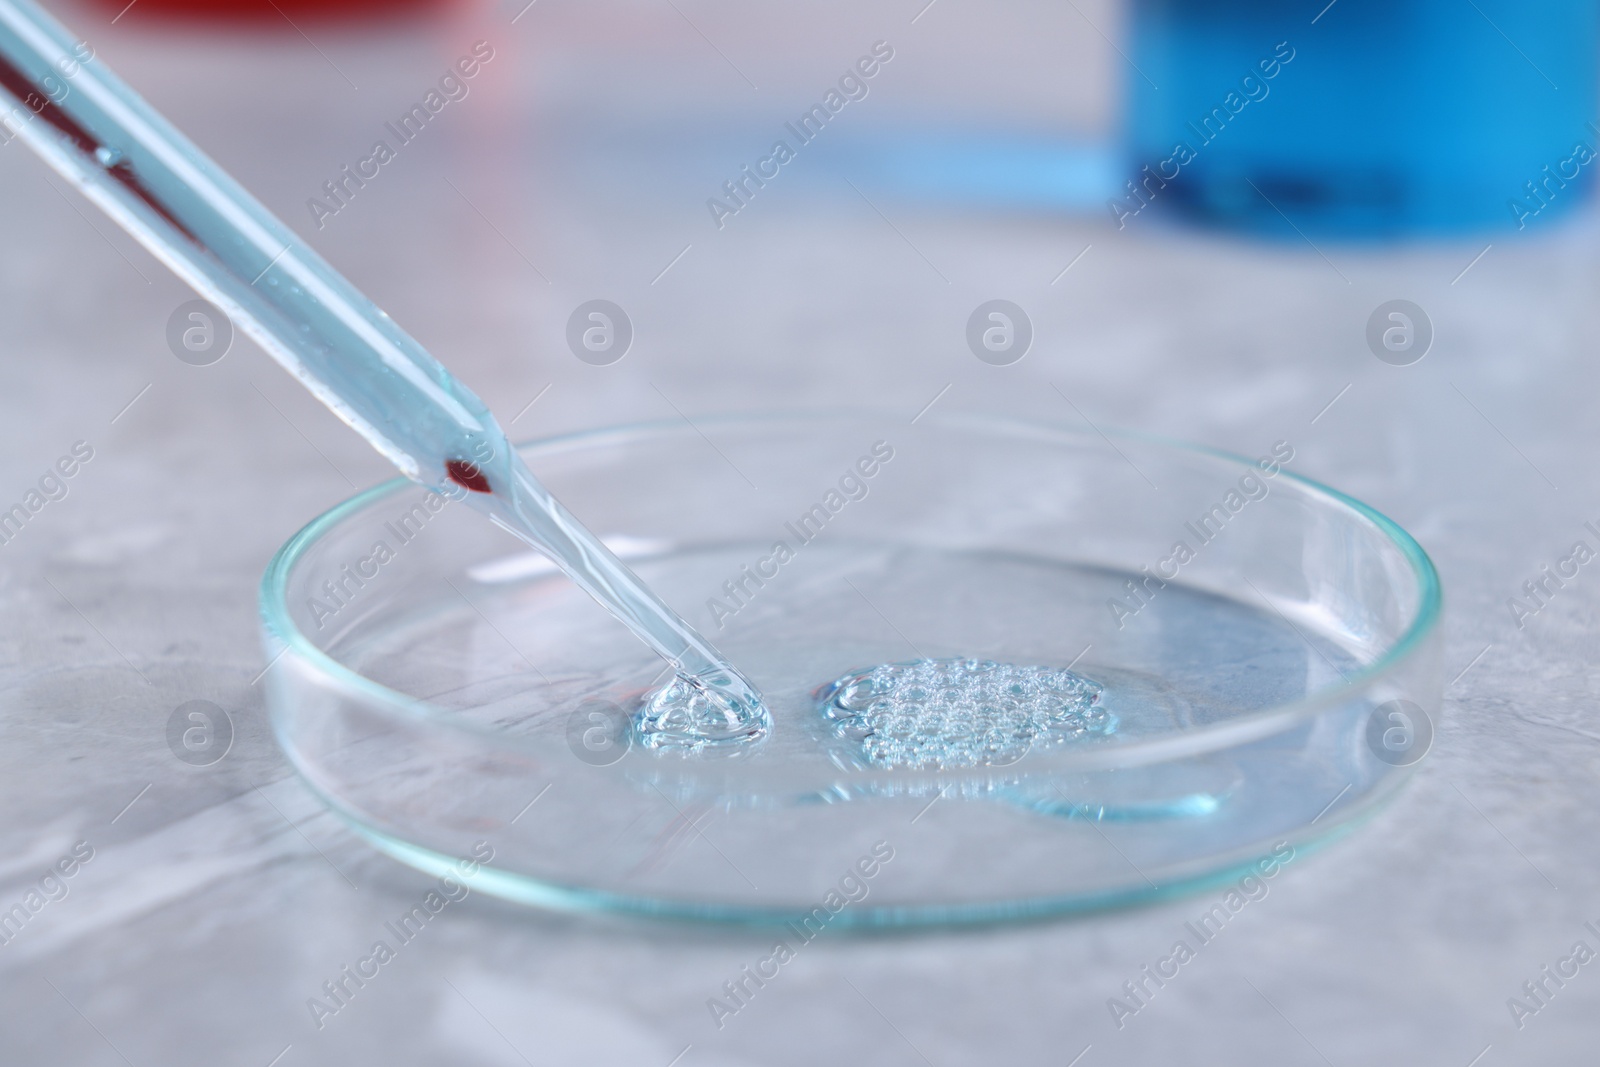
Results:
<point x="271" y="10"/>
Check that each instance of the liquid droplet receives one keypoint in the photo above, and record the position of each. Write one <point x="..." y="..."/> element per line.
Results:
<point x="689" y="717"/>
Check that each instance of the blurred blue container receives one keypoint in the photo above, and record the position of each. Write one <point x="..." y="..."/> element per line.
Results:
<point x="1362" y="118"/>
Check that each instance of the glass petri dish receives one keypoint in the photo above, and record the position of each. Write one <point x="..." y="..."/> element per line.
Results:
<point x="1262" y="653"/>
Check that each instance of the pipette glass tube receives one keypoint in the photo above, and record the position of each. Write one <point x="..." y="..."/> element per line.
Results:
<point x="137" y="168"/>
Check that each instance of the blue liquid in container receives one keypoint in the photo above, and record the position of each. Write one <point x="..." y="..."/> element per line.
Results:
<point x="1361" y="118"/>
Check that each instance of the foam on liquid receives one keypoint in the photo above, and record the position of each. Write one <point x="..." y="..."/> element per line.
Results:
<point x="936" y="713"/>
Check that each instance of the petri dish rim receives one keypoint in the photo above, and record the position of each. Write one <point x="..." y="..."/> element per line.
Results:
<point x="1197" y="740"/>
<point x="908" y="921"/>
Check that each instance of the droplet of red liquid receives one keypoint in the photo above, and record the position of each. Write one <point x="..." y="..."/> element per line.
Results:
<point x="467" y="475"/>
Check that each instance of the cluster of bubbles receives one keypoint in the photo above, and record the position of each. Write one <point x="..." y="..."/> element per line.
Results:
<point x="691" y="717"/>
<point x="936" y="713"/>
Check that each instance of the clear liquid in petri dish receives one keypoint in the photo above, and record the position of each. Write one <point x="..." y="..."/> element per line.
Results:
<point x="708" y="705"/>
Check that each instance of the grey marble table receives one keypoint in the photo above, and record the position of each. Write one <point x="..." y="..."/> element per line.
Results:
<point x="218" y="899"/>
